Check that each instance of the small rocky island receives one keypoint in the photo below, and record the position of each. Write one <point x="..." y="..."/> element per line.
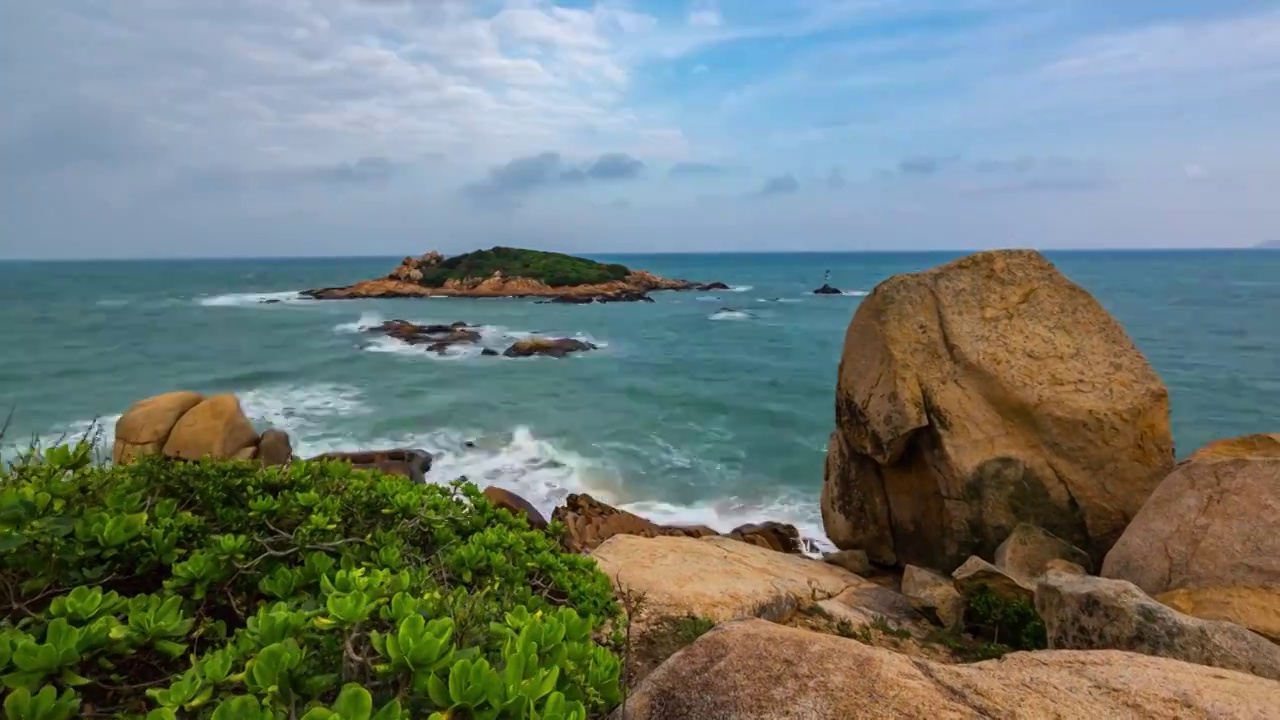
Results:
<point x="509" y="272"/>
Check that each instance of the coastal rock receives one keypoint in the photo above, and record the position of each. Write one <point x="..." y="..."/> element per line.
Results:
<point x="1213" y="522"/>
<point x="274" y="448"/>
<point x="214" y="428"/>
<point x="1086" y="613"/>
<point x="589" y="523"/>
<point x="977" y="573"/>
<point x="775" y="536"/>
<point x="708" y="287"/>
<point x="1028" y="550"/>
<point x="982" y="393"/>
<point x="756" y="670"/>
<point x="1254" y="608"/>
<point x="412" y="464"/>
<point x="144" y="428"/>
<point x="935" y="595"/>
<point x="718" y="578"/>
<point x="516" y="505"/>
<point x="437" y="338"/>
<point x="550" y="347"/>
<point x="827" y="290"/>
<point x="855" y="561"/>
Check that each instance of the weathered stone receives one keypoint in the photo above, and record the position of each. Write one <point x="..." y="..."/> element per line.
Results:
<point x="873" y="605"/>
<point x="144" y="428"/>
<point x="756" y="670"/>
<point x="976" y="573"/>
<point x="1065" y="566"/>
<point x="274" y="448"/>
<point x="717" y="577"/>
<point x="1214" y="522"/>
<point x="589" y="522"/>
<point x="1255" y="608"/>
<point x="412" y="464"/>
<point x="550" y="347"/>
<point x="215" y="428"/>
<point x="983" y="393"/>
<point x="935" y="595"/>
<point x="249" y="453"/>
<point x="855" y="561"/>
<point x="1027" y="552"/>
<point x="772" y="535"/>
<point x="516" y="505"/>
<point x="1090" y="613"/>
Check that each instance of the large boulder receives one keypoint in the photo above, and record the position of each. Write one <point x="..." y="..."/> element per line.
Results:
<point x="1213" y="522"/>
<point x="215" y="428"/>
<point x="144" y="428"/>
<point x="935" y="595"/>
<point x="983" y="393"/>
<point x="589" y="522"/>
<point x="1029" y="550"/>
<point x="1081" y="612"/>
<point x="408" y="463"/>
<point x="772" y="535"/>
<point x="756" y="670"/>
<point x="719" y="578"/>
<point x="1255" y="608"/>
<point x="516" y="505"/>
<point x="274" y="448"/>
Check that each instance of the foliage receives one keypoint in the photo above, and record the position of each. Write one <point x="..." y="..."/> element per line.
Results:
<point x="164" y="590"/>
<point x="1006" y="621"/>
<point x="554" y="269"/>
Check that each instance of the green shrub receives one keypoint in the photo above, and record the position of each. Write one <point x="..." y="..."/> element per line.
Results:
<point x="224" y="590"/>
<point x="554" y="269"/>
<point x="1012" y="623"/>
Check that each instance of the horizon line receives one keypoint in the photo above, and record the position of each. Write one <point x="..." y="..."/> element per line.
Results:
<point x="922" y="251"/>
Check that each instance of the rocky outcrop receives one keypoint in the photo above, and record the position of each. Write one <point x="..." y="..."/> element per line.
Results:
<point x="828" y="290"/>
<point x="775" y="536"/>
<point x="274" y="448"/>
<point x="718" y="578"/>
<point x="602" y="298"/>
<point x="437" y="338"/>
<point x="515" y="505"/>
<point x="1212" y="523"/>
<point x="977" y="573"/>
<point x="215" y="428"/>
<point x="589" y="522"/>
<point x="935" y="595"/>
<point x="548" y="347"/>
<point x="855" y="561"/>
<point x="1029" y="550"/>
<point x="984" y="393"/>
<point x="1087" y="613"/>
<point x="144" y="428"/>
<point x="412" y="464"/>
<point x="756" y="670"/>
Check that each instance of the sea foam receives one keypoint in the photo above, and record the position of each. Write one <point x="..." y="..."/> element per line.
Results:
<point x="250" y="299"/>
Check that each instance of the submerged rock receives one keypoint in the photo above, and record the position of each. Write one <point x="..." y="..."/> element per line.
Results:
<point x="551" y="347"/>
<point x="828" y="290"/>
<point x="437" y="338"/>
<point x="984" y="393"/>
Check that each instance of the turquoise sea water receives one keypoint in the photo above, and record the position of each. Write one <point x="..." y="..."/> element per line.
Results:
<point x="702" y="407"/>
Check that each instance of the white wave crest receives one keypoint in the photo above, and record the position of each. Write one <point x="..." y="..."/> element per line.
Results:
<point x="731" y="315"/>
<point x="249" y="299"/>
<point x="708" y="298"/>
<point x="855" y="293"/>
<point x="495" y="338"/>
<point x="741" y="288"/>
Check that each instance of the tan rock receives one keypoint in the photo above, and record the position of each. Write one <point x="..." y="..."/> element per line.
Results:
<point x="216" y="428"/>
<point x="718" y="578"/>
<point x="405" y="462"/>
<point x="1251" y="446"/>
<point x="755" y="670"/>
<point x="1091" y="613"/>
<point x="976" y="573"/>
<point x="1027" y="552"/>
<point x="855" y="561"/>
<point x="1214" y="522"/>
<point x="144" y="428"/>
<point x="275" y="448"/>
<point x="1255" y="608"/>
<point x="935" y="595"/>
<point x="983" y="393"/>
<point x="516" y="505"/>
<point x="589" y="522"/>
<point x="776" y="536"/>
<point x="248" y="453"/>
<point x="1065" y="566"/>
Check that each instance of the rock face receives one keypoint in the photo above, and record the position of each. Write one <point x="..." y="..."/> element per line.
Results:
<point x="214" y="428"/>
<point x="935" y="595"/>
<point x="976" y="572"/>
<point x="775" y="536"/>
<point x="1255" y="608"/>
<point x="1214" y="522"/>
<point x="144" y="428"/>
<point x="983" y="393"/>
<point x="589" y="522"/>
<point x="719" y="578"/>
<point x="1087" y="613"/>
<point x="412" y="464"/>
<point x="550" y="347"/>
<point x="516" y="505"/>
<point x="756" y="670"/>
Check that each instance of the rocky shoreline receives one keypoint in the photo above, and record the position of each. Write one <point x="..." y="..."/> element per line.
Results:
<point x="408" y="281"/>
<point x="1001" y="481"/>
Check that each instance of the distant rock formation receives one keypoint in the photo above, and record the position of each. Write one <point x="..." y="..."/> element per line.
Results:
<point x="549" y="347"/>
<point x="983" y="393"/>
<point x="828" y="290"/>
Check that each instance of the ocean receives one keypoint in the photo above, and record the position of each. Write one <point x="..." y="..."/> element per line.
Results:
<point x="709" y="408"/>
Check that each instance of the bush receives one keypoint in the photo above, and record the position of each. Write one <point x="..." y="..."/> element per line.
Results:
<point x="554" y="269"/>
<point x="224" y="590"/>
<point x="1005" y="622"/>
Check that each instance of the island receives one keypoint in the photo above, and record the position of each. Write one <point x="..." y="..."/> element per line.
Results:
<point x="509" y="272"/>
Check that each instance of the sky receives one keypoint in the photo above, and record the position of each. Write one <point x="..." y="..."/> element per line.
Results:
<point x="190" y="128"/>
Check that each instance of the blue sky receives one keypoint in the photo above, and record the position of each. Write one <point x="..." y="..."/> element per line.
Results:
<point x="159" y="128"/>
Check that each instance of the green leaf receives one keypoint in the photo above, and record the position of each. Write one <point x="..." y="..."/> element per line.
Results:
<point x="354" y="702"/>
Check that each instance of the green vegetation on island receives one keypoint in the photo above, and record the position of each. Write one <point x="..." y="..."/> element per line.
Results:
<point x="161" y="590"/>
<point x="554" y="269"/>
